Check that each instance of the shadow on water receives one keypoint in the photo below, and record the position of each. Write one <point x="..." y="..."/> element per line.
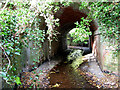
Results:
<point x="66" y="77"/>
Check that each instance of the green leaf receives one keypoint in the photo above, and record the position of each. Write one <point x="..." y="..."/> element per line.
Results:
<point x="8" y="52"/>
<point x="17" y="53"/>
<point x="17" y="80"/>
<point x="3" y="74"/>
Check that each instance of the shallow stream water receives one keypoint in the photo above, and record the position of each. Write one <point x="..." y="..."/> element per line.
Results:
<point x="64" y="76"/>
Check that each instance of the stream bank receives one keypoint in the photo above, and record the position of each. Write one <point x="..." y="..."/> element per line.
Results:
<point x="57" y="74"/>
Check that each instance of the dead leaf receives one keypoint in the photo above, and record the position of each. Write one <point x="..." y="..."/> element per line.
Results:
<point x="56" y="85"/>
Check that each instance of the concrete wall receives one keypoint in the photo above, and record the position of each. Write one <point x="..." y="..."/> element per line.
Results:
<point x="104" y="54"/>
<point x="109" y="60"/>
<point x="97" y="49"/>
<point x="0" y="68"/>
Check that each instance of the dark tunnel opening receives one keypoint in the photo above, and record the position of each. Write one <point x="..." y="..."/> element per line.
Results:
<point x="85" y="45"/>
<point x="68" y="16"/>
<point x="65" y="49"/>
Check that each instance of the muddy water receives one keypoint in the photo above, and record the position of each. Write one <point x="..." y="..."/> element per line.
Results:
<point x="64" y="76"/>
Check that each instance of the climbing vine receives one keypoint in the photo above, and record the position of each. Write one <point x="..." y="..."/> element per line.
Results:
<point x="19" y="25"/>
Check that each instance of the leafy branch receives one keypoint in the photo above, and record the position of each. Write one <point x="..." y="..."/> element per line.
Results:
<point x="7" y="57"/>
<point x="5" y="5"/>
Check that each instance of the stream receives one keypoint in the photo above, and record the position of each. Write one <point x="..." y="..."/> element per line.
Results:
<point x="60" y="75"/>
<point x="64" y="76"/>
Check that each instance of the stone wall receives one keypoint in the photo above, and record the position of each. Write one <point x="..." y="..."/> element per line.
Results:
<point x="0" y="68"/>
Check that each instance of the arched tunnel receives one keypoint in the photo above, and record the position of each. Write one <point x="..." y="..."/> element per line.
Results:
<point x="68" y="16"/>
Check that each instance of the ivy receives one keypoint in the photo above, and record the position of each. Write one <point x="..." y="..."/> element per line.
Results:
<point x="17" y="30"/>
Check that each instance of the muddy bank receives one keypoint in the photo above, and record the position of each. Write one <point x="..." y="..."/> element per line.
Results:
<point x="93" y="68"/>
<point x="38" y="78"/>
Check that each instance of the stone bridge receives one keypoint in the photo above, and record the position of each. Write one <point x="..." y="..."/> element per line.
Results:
<point x="68" y="16"/>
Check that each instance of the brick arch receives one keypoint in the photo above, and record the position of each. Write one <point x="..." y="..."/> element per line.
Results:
<point x="68" y="16"/>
